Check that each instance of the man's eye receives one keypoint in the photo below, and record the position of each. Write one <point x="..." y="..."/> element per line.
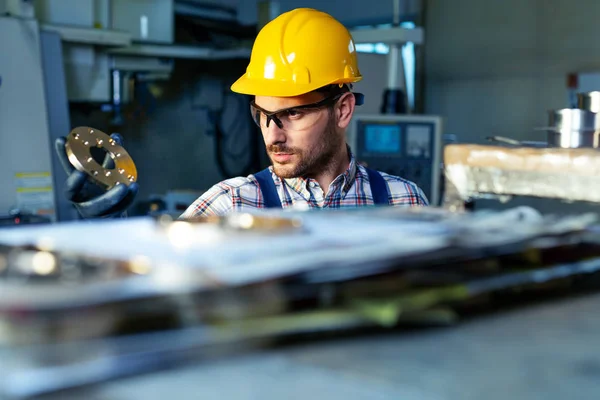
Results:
<point x="294" y="113"/>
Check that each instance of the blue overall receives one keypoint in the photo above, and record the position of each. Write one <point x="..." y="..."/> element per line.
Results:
<point x="271" y="198"/>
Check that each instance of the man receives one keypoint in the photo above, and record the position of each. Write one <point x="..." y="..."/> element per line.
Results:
<point x="301" y="71"/>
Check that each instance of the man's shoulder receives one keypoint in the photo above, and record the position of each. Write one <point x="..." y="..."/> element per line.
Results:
<point x="236" y="183"/>
<point x="401" y="190"/>
<point x="237" y="187"/>
<point x="219" y="199"/>
<point x="239" y="183"/>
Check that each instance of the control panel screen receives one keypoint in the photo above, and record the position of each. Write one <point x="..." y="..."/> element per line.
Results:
<point x="382" y="138"/>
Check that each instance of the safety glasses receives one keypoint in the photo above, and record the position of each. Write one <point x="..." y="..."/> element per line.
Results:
<point x="292" y="118"/>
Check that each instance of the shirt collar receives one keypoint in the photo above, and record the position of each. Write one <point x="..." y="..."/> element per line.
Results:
<point x="300" y="184"/>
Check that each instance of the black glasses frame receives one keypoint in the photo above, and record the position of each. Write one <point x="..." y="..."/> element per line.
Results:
<point x="272" y="115"/>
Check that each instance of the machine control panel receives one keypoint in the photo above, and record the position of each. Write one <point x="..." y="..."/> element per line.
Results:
<point x="408" y="146"/>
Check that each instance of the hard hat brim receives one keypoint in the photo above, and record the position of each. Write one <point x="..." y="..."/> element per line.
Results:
<point x="272" y="88"/>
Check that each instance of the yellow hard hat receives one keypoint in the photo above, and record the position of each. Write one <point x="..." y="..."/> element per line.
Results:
<point x="298" y="52"/>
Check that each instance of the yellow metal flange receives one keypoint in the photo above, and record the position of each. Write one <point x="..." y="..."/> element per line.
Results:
<point x="79" y="145"/>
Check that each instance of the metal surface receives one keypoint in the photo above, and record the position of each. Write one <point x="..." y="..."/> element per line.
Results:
<point x="395" y="68"/>
<point x="117" y="91"/>
<point x="589" y="101"/>
<point x="147" y="258"/>
<point x="148" y="353"/>
<point x="228" y="284"/>
<point x="516" y="143"/>
<point x="395" y="60"/>
<point x="80" y="143"/>
<point x="573" y="128"/>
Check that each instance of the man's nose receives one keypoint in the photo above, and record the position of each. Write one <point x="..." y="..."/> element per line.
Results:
<point x="273" y="134"/>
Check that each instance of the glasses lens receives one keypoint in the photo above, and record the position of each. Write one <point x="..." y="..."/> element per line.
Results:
<point x="257" y="115"/>
<point x="292" y="119"/>
<point x="300" y="119"/>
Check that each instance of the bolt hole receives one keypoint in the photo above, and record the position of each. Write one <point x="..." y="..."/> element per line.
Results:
<point x="99" y="154"/>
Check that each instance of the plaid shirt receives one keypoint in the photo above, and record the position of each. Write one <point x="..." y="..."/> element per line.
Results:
<point x="350" y="189"/>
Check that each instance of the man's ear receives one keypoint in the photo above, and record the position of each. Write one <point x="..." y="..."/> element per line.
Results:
<point x="344" y="110"/>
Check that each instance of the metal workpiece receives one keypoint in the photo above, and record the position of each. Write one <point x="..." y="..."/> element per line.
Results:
<point x="83" y="141"/>
<point x="243" y="222"/>
<point x="589" y="101"/>
<point x="86" y="304"/>
<point x="573" y="128"/>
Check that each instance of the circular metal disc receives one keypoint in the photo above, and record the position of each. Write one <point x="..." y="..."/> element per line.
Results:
<point x="79" y="144"/>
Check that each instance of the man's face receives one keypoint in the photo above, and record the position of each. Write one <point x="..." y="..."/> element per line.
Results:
<point x="309" y="139"/>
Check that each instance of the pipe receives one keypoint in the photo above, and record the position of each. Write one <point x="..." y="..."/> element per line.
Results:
<point x="396" y="12"/>
<point x="117" y="91"/>
<point x="395" y="66"/>
<point x="394" y="97"/>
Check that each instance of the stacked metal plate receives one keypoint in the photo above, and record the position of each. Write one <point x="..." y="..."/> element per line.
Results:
<point x="85" y="302"/>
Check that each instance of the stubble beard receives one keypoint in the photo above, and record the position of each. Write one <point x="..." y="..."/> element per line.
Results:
<point x="310" y="162"/>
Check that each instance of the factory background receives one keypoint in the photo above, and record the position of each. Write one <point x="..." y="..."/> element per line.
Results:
<point x="486" y="105"/>
<point x="491" y="68"/>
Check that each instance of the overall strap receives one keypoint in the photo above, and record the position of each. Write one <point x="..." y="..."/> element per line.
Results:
<point x="268" y="189"/>
<point x="378" y="187"/>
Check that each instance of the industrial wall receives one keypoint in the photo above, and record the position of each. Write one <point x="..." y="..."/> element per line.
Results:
<point x="496" y="67"/>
